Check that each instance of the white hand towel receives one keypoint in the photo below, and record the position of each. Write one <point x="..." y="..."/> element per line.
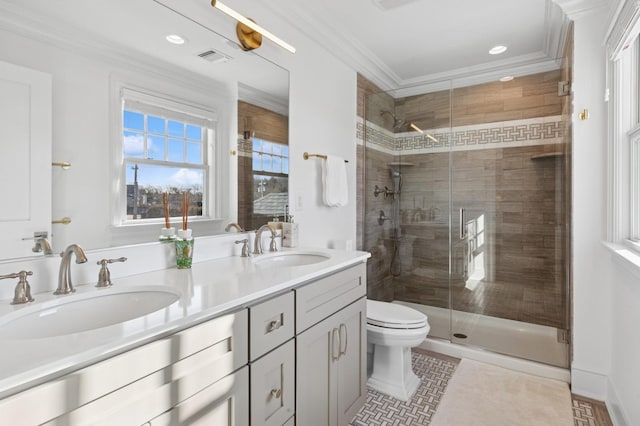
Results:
<point x="334" y="178"/>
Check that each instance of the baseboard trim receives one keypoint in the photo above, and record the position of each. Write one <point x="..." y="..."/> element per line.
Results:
<point x="517" y="364"/>
<point x="589" y="384"/>
<point x="618" y="415"/>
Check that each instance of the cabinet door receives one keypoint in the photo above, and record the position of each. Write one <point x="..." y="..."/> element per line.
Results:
<point x="273" y="387"/>
<point x="225" y="402"/>
<point x="315" y="384"/>
<point x="352" y="362"/>
<point x="25" y="122"/>
<point x="331" y="368"/>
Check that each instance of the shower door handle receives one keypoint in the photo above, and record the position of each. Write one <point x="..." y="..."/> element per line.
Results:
<point x="463" y="232"/>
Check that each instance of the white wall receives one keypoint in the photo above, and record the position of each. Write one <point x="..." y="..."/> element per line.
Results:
<point x="606" y="295"/>
<point x="624" y="385"/>
<point x="322" y="120"/>
<point x="591" y="283"/>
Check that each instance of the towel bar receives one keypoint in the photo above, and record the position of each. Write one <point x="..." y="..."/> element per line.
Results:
<point x="306" y="156"/>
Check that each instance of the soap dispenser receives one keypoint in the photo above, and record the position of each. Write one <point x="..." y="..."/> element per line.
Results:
<point x="290" y="233"/>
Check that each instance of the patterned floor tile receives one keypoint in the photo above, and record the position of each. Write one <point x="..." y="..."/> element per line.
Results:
<point x="435" y="371"/>
<point x="383" y="410"/>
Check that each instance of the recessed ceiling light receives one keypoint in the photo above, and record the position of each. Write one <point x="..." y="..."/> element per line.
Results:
<point x="175" y="39"/>
<point x="506" y="78"/>
<point x="496" y="50"/>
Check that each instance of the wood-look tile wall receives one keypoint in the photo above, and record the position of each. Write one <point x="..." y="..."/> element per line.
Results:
<point x="530" y="96"/>
<point x="522" y="201"/>
<point x="263" y="124"/>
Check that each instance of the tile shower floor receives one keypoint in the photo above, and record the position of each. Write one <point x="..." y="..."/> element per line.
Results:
<point x="435" y="370"/>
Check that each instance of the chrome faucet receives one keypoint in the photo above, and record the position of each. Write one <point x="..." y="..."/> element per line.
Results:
<point x="257" y="246"/>
<point x="41" y="244"/>
<point x="233" y="225"/>
<point x="64" y="276"/>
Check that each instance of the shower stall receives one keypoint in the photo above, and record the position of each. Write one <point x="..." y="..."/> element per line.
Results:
<point x="466" y="211"/>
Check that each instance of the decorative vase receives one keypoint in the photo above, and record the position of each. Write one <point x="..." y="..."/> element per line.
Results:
<point x="184" y="252"/>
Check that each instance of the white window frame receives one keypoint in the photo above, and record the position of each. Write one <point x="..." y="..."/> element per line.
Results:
<point x="155" y="105"/>
<point x="623" y="195"/>
<point x="211" y="97"/>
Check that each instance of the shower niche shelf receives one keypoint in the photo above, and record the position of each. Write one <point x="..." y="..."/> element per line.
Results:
<point x="547" y="155"/>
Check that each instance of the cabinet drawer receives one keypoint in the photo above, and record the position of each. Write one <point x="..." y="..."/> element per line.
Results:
<point x="320" y="299"/>
<point x="117" y="385"/>
<point x="270" y="324"/>
<point x="223" y="403"/>
<point x="273" y="387"/>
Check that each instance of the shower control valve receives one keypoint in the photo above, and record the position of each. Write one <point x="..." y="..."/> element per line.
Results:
<point x="382" y="217"/>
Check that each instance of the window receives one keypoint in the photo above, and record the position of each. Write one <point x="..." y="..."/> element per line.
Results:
<point x="164" y="146"/>
<point x="270" y="178"/>
<point x="624" y="139"/>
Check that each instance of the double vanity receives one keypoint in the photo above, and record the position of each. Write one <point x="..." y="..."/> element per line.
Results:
<point x="275" y="339"/>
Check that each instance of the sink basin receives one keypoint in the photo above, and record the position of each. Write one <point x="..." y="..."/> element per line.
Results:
<point x="84" y="312"/>
<point x="290" y="258"/>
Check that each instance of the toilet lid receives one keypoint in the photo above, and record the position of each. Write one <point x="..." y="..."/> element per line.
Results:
<point x="393" y="315"/>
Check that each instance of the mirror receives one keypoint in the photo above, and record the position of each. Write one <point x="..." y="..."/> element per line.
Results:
<point x="86" y="46"/>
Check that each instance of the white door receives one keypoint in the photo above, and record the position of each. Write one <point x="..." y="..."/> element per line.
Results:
<point x="25" y="147"/>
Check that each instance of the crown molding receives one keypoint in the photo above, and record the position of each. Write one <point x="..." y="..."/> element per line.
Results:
<point x="575" y="9"/>
<point x="353" y="53"/>
<point x="341" y="45"/>
<point x="474" y="76"/>
<point x="262" y="99"/>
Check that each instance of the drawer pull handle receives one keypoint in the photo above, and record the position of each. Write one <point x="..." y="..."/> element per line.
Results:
<point x="343" y="351"/>
<point x="335" y="344"/>
<point x="274" y="325"/>
<point x="276" y="393"/>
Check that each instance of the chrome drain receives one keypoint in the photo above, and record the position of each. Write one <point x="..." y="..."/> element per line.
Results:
<point x="460" y="335"/>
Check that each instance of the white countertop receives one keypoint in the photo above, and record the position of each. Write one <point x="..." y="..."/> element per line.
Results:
<point x="207" y="290"/>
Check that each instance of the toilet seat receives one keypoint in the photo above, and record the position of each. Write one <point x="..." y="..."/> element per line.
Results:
<point x="394" y="316"/>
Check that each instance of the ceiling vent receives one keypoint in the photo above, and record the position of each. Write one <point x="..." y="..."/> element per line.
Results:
<point x="213" y="56"/>
<point x="391" y="4"/>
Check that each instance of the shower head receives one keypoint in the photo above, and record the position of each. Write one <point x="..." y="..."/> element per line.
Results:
<point x="397" y="121"/>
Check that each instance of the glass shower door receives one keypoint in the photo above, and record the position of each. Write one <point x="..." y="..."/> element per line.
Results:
<point x="508" y="278"/>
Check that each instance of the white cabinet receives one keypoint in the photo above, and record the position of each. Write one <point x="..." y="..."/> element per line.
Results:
<point x="331" y="355"/>
<point x="141" y="384"/>
<point x="299" y="357"/>
<point x="271" y="323"/>
<point x="271" y="326"/>
<point x="224" y="403"/>
<point x="273" y="386"/>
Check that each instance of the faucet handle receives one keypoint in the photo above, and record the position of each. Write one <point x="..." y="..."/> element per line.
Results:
<point x="104" y="276"/>
<point x="273" y="247"/>
<point x="22" y="292"/>
<point x="245" y="247"/>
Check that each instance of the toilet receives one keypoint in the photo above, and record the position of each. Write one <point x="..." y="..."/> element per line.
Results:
<point x="392" y="330"/>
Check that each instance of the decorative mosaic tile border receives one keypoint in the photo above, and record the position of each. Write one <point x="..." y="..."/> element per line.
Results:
<point x="534" y="131"/>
